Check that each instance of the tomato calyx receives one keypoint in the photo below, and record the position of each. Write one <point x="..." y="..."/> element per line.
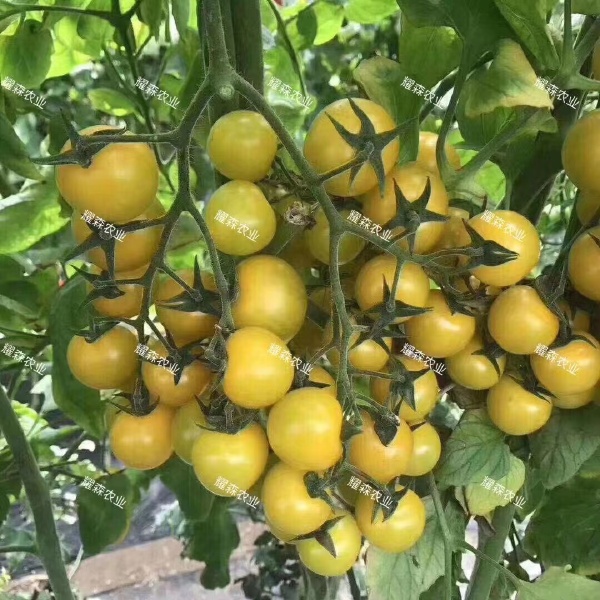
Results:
<point x="139" y="400"/>
<point x="528" y="381"/>
<point x="486" y="253"/>
<point x="493" y="352"/>
<point x="367" y="142"/>
<point x="323" y="536"/>
<point x="388" y="510"/>
<point x="224" y="416"/>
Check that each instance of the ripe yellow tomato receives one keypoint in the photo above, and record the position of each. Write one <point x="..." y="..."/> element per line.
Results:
<point x="413" y="285"/>
<point x="425" y="389"/>
<point x="454" y="236"/>
<point x="135" y="250"/>
<point x="582" y="356"/>
<point x="304" y="429"/>
<point x="347" y="540"/>
<point x="400" y="531"/>
<point x="288" y="506"/>
<point x="310" y="337"/>
<point x="519" y="320"/>
<point x="514" y="232"/>
<point x="325" y="149"/>
<point x="186" y="429"/>
<point x="143" y="442"/>
<point x="439" y="332"/>
<point x="426" y="157"/>
<point x="581" y="152"/>
<point x="256" y="377"/>
<point x="272" y="295"/>
<point x="411" y="179"/>
<point x="584" y="264"/>
<point x="160" y="382"/>
<point x="127" y="305"/>
<point x="474" y="371"/>
<point x="320" y="375"/>
<point x="577" y="400"/>
<point x="109" y="362"/>
<point x="587" y="206"/>
<point x="121" y="182"/>
<point x="515" y="410"/>
<point x="185" y="327"/>
<point x="427" y="449"/>
<point x="381" y="463"/>
<point x="242" y="145"/>
<point x="242" y="204"/>
<point x="578" y="318"/>
<point x="317" y="240"/>
<point x="240" y="458"/>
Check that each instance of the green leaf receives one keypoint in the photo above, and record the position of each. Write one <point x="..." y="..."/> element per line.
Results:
<point x="28" y="216"/>
<point x="428" y="54"/>
<point x="94" y="30"/>
<point x="370" y="11"/>
<point x="591" y="467"/>
<point x="561" y="447"/>
<point x="586" y="7"/>
<point x="181" y="14"/>
<point x="509" y="81"/>
<point x="194" y="499"/>
<point x="111" y="102"/>
<point x="481" y="501"/>
<point x="102" y="523"/>
<point x="25" y="56"/>
<point x="565" y="530"/>
<point x="556" y="584"/>
<point x="303" y="30"/>
<point x="77" y="401"/>
<point x="528" y="20"/>
<point x="212" y="541"/>
<point x="13" y="153"/>
<point x="329" y="20"/>
<point x="475" y="449"/>
<point x="151" y="14"/>
<point x="70" y="50"/>
<point x="408" y="574"/>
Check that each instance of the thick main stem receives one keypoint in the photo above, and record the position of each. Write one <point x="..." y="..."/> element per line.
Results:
<point x="39" y="500"/>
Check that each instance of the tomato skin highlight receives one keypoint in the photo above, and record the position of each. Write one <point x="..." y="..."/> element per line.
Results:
<point x="304" y="429"/>
<point x="107" y="363"/>
<point x="325" y="149"/>
<point x="514" y="410"/>
<point x="242" y="145"/>
<point x="531" y="321"/>
<point x="143" y="442"/>
<point x="254" y="377"/>
<point x="239" y="458"/>
<point x="121" y="182"/>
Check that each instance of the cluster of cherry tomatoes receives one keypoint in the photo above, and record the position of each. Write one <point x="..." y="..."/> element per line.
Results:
<point x="484" y="322"/>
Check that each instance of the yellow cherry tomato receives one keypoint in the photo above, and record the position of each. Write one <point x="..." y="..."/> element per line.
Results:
<point x="584" y="264"/>
<point x="581" y="152"/>
<point x="186" y="429"/>
<point x="129" y="303"/>
<point x="427" y="449"/>
<point x="587" y="206"/>
<point x="426" y="157"/>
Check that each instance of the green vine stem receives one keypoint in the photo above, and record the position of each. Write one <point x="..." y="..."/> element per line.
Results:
<point x="486" y="569"/>
<point x="446" y="534"/>
<point x="48" y="544"/>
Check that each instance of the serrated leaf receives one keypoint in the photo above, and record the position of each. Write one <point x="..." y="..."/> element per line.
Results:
<point x="26" y="55"/>
<point x="102" y="523"/>
<point x="111" y="102"/>
<point x="561" y="447"/>
<point x="556" y="584"/>
<point x="370" y="11"/>
<point x="195" y="501"/>
<point x="77" y="401"/>
<point x="29" y="215"/>
<point x="481" y="501"/>
<point x="475" y="449"/>
<point x="408" y="574"/>
<point x="565" y="530"/>
<point x="13" y="153"/>
<point x="528" y="19"/>
<point x="509" y="81"/>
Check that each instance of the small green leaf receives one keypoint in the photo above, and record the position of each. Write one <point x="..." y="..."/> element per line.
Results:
<point x="528" y="19"/>
<point x="77" y="401"/>
<point x="111" y="102"/>
<point x="151" y="14"/>
<point x="26" y="55"/>
<point x="194" y="499"/>
<point x="586" y="7"/>
<point x="561" y="447"/>
<point x="329" y="20"/>
<point x="370" y="11"/>
<point x="481" y="500"/>
<point x="13" y="153"/>
<point x="29" y="216"/>
<point x="565" y="530"/>
<point x="475" y="449"/>
<point x="181" y="14"/>
<point x="508" y="82"/>
<point x="102" y="523"/>
<point x="557" y="584"/>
